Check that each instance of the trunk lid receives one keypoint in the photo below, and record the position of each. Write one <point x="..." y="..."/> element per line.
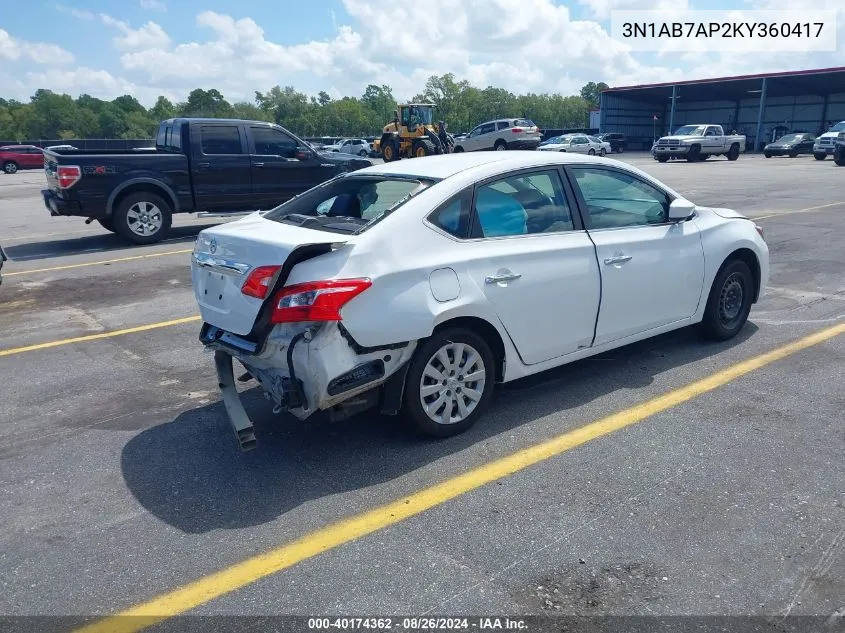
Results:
<point x="225" y="255"/>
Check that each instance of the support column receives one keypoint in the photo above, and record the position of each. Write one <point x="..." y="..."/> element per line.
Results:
<point x="672" y="112"/>
<point x="759" y="141"/>
<point x="602" y="113"/>
<point x="823" y="124"/>
<point x="736" y="116"/>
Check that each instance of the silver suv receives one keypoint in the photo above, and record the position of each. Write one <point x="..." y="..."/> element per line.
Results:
<point x="500" y="135"/>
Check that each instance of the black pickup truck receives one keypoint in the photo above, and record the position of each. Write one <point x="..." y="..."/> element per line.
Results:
<point x="209" y="165"/>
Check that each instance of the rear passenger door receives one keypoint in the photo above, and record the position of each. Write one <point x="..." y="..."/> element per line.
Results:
<point x="534" y="263"/>
<point x="221" y="169"/>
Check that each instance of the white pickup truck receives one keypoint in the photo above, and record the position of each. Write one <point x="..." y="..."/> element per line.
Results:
<point x="826" y="143"/>
<point x="698" y="142"/>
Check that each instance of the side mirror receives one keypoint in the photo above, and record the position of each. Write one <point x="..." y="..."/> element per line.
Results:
<point x="680" y="209"/>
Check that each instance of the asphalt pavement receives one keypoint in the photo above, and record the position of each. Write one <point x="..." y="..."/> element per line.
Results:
<point x="120" y="480"/>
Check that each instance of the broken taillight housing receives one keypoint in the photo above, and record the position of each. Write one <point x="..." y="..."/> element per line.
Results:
<point x="258" y="283"/>
<point x="316" y="300"/>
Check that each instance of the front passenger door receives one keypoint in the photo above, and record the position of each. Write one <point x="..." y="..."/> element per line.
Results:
<point x="652" y="270"/>
<point x="278" y="174"/>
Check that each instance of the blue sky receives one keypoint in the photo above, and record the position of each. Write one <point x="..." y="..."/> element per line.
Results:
<point x="152" y="47"/>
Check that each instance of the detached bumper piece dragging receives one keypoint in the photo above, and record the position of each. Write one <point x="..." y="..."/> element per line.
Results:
<point x="306" y="371"/>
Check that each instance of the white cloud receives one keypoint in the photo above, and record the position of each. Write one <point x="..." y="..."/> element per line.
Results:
<point x="600" y="9"/>
<point x="150" y="35"/>
<point x="79" y="14"/>
<point x="153" y="5"/>
<point x="39" y="52"/>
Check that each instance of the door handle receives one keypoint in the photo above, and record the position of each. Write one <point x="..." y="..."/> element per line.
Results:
<point x="619" y="259"/>
<point x="258" y="164"/>
<point x="203" y="165"/>
<point x="501" y="277"/>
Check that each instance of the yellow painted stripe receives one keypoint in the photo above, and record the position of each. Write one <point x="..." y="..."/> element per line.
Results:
<point x="807" y="210"/>
<point x="97" y="337"/>
<point x="252" y="569"/>
<point x="97" y="263"/>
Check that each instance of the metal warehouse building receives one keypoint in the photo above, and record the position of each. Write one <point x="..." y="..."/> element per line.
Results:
<point x="759" y="106"/>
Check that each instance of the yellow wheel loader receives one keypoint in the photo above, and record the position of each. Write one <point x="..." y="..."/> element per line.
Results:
<point x="412" y="133"/>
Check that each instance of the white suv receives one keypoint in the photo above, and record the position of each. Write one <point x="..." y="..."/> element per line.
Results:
<point x="500" y="135"/>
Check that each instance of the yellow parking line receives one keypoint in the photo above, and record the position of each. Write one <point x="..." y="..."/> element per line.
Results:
<point x="96" y="337"/>
<point x="807" y="210"/>
<point x="241" y="574"/>
<point x="97" y="263"/>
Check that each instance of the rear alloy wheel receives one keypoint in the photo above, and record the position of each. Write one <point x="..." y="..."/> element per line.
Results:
<point x="363" y="153"/>
<point x="500" y="146"/>
<point x="143" y="217"/>
<point x="592" y="152"/>
<point x="733" y="152"/>
<point x="449" y="383"/>
<point x="729" y="302"/>
<point x="10" y="167"/>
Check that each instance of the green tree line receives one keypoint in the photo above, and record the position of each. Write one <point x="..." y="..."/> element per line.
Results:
<point x="50" y="115"/>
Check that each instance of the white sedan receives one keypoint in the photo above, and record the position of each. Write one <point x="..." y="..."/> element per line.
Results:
<point x="575" y="143"/>
<point x="414" y="287"/>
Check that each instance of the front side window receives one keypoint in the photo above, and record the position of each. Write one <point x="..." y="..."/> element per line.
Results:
<point x="522" y="204"/>
<point x="272" y="142"/>
<point x="615" y="199"/>
<point x="220" y="139"/>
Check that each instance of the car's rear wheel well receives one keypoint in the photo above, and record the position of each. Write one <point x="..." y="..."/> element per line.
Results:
<point x="747" y="255"/>
<point x="139" y="188"/>
<point x="489" y="333"/>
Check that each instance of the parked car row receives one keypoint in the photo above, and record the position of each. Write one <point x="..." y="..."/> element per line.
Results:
<point x="576" y="143"/>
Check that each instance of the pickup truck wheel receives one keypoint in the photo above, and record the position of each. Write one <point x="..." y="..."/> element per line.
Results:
<point x="10" y="167"/>
<point x="662" y="159"/>
<point x="449" y="382"/>
<point x="819" y="156"/>
<point x="729" y="301"/>
<point x="143" y="217"/>
<point x="733" y="152"/>
<point x="839" y="157"/>
<point x="694" y="154"/>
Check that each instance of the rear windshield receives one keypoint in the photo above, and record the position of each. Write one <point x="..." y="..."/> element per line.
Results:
<point x="348" y="204"/>
<point x="524" y="123"/>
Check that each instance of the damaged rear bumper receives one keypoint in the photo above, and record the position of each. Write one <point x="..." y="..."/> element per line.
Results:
<point x="306" y="370"/>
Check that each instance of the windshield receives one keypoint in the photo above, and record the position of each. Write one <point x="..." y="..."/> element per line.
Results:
<point x="839" y="127"/>
<point x="552" y="141"/>
<point x="690" y="130"/>
<point x="421" y="115"/>
<point x="789" y="138"/>
<point x="348" y="204"/>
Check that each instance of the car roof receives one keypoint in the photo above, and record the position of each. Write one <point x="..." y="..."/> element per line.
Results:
<point x="440" y="167"/>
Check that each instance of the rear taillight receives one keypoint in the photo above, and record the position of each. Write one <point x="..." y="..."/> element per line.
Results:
<point x="316" y="300"/>
<point x="68" y="176"/>
<point x="517" y="130"/>
<point x="258" y="283"/>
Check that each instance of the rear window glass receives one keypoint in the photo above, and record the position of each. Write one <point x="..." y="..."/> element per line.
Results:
<point x="349" y="204"/>
<point x="524" y="123"/>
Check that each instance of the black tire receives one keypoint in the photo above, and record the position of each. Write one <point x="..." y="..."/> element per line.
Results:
<point x="413" y="407"/>
<point x="694" y="154"/>
<point x="620" y="149"/>
<point x="107" y="224"/>
<point x="662" y="159"/>
<point x="363" y="153"/>
<point x="390" y="150"/>
<point x="500" y="145"/>
<point x="592" y="152"/>
<point x="793" y="154"/>
<point x="839" y="157"/>
<point x="10" y="167"/>
<point x="819" y="156"/>
<point x="138" y="204"/>
<point x="733" y="152"/>
<point x="603" y="152"/>
<point x="767" y="154"/>
<point x="423" y="147"/>
<point x="457" y="149"/>
<point x="723" y="318"/>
